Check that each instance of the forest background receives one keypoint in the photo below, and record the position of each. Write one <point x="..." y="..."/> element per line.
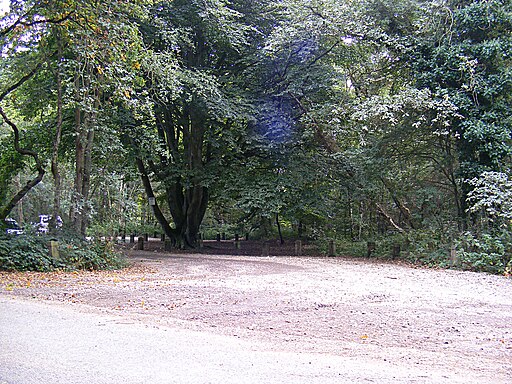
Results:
<point x="363" y="122"/>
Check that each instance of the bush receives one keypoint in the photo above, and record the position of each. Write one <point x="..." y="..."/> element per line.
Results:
<point x="423" y="247"/>
<point x="428" y="247"/>
<point x="88" y="255"/>
<point x="24" y="253"/>
<point x="31" y="253"/>
<point x="486" y="252"/>
<point x="347" y="248"/>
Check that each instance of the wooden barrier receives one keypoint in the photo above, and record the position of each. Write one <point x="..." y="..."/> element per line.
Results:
<point x="396" y="251"/>
<point x="370" y="248"/>
<point x="332" y="248"/>
<point x="298" y="247"/>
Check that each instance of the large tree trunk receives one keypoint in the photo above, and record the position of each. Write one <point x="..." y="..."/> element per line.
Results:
<point x="181" y="173"/>
<point x="146" y="182"/>
<point x="187" y="207"/>
<point x="196" y="196"/>
<point x="83" y="148"/>
<point x="195" y="214"/>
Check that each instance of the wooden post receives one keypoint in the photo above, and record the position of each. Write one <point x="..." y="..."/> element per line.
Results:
<point x="265" y="251"/>
<point x="237" y="241"/>
<point x="162" y="237"/>
<point x="200" y="240"/>
<point x="454" y="259"/>
<point x="218" y="236"/>
<point x="223" y="236"/>
<point x="247" y="236"/>
<point x="332" y="248"/>
<point x="140" y="243"/>
<point x="298" y="247"/>
<point x="53" y="247"/>
<point x="132" y="238"/>
<point x="146" y="237"/>
<point x="396" y="251"/>
<point x="123" y="237"/>
<point x="371" y="248"/>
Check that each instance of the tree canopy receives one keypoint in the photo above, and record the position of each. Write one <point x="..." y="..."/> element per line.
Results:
<point x="358" y="120"/>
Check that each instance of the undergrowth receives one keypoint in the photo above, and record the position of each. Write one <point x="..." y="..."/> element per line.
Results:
<point x="491" y="253"/>
<point x="32" y="253"/>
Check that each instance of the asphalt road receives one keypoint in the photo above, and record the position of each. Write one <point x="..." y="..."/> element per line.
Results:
<point x="55" y="343"/>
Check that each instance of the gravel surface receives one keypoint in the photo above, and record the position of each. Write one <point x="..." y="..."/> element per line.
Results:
<point x="372" y="321"/>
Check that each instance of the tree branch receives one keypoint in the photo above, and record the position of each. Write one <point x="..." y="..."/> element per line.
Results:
<point x="25" y="152"/>
<point x="390" y="219"/>
<point x="327" y="141"/>
<point x="20" y="21"/>
<point x="26" y="77"/>
<point x="171" y="233"/>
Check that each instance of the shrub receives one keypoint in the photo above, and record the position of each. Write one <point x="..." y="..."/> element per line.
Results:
<point x="31" y="253"/>
<point x="347" y="248"/>
<point x="24" y="253"/>
<point x="486" y="252"/>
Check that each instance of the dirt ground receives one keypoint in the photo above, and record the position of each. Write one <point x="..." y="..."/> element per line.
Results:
<point x="453" y="326"/>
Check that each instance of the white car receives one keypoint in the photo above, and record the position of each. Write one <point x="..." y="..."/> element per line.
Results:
<point x="12" y="227"/>
<point x="44" y="221"/>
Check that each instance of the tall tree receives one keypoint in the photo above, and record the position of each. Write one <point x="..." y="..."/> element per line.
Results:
<point x="80" y="60"/>
<point x="198" y="50"/>
<point x="102" y="72"/>
<point x="19" y="31"/>
<point x="464" y="57"/>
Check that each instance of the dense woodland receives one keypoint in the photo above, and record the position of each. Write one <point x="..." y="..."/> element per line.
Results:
<point x="385" y="121"/>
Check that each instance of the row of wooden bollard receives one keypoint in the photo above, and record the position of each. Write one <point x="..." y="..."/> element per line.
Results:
<point x="299" y="250"/>
<point x="168" y="244"/>
<point x="238" y="245"/>
<point x="53" y="247"/>
<point x="331" y="251"/>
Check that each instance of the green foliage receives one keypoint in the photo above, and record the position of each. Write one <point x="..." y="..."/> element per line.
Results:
<point x="491" y="196"/>
<point x="429" y="247"/>
<point x="485" y="252"/>
<point x="418" y="247"/>
<point x="348" y="248"/>
<point x="377" y="119"/>
<point x="24" y="253"/>
<point x="31" y="253"/>
<point x="470" y="66"/>
<point x="91" y="256"/>
<point x="10" y="164"/>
